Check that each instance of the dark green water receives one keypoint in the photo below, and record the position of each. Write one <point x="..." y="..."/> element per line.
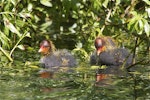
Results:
<point x="20" y="81"/>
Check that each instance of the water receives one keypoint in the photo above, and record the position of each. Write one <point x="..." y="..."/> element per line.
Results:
<point x="20" y="81"/>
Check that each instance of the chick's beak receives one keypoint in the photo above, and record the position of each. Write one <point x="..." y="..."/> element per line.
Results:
<point x="44" y="50"/>
<point x="98" y="52"/>
<point x="40" y="50"/>
<point x="98" y="46"/>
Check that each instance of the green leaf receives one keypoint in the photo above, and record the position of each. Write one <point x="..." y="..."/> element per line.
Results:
<point x="11" y="27"/>
<point x="135" y="73"/>
<point x="147" y="2"/>
<point x="20" y="23"/>
<point x="21" y="47"/>
<point x="2" y="35"/>
<point x="79" y="45"/>
<point x="95" y="67"/>
<point x="148" y="12"/>
<point x="45" y="25"/>
<point x="14" y="2"/>
<point x="141" y="25"/>
<point x="4" y="40"/>
<point x="136" y="27"/>
<point x="105" y="3"/>
<point x="30" y="7"/>
<point x="132" y="22"/>
<point x="6" y="54"/>
<point x="140" y="32"/>
<point x="147" y="28"/>
<point x="28" y="35"/>
<point x="25" y="15"/>
<point x="118" y="2"/>
<point x="103" y="67"/>
<point x="46" y="3"/>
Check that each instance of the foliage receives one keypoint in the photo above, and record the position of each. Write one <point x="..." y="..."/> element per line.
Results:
<point x="73" y="24"/>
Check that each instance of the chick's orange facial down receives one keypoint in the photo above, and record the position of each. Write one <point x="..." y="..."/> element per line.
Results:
<point x="99" y="45"/>
<point x="44" y="47"/>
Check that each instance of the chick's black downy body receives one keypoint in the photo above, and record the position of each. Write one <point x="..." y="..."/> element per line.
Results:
<point x="113" y="59"/>
<point x="107" y="54"/>
<point x="59" y="58"/>
<point x="54" y="60"/>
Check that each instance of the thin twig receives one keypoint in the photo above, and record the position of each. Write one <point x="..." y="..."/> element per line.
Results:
<point x="129" y="8"/>
<point x="106" y="19"/>
<point x="17" y="43"/>
<point x="6" y="54"/>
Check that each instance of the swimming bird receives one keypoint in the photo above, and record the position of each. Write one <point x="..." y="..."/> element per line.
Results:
<point x="55" y="60"/>
<point x="107" y="54"/>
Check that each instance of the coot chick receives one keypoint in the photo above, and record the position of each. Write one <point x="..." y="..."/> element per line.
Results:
<point x="113" y="58"/>
<point x="55" y="60"/>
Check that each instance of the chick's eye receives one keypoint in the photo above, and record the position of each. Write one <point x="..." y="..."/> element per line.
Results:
<point x="42" y="46"/>
<point x="45" y="46"/>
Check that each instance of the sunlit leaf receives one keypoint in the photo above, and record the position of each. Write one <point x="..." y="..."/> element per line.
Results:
<point x="11" y="27"/>
<point x="4" y="40"/>
<point x="99" y="31"/>
<point x="140" y="32"/>
<point x="3" y="36"/>
<point x="134" y="13"/>
<point x="46" y="3"/>
<point x="33" y="66"/>
<point x="20" y="23"/>
<point x="97" y="4"/>
<point x="103" y="67"/>
<point x="45" y="25"/>
<point x="147" y="28"/>
<point x="30" y="6"/>
<point x="30" y="48"/>
<point x="105" y="3"/>
<point x="28" y="35"/>
<point x="95" y="67"/>
<point x="148" y="12"/>
<point x="79" y="45"/>
<point x="6" y="53"/>
<point x="131" y="22"/>
<point x="21" y="47"/>
<point x="118" y="2"/>
<point x="147" y="2"/>
<point x="25" y="15"/>
<point x="36" y="18"/>
<point x="136" y="26"/>
<point x="141" y="25"/>
<point x="14" y="2"/>
<point x="27" y="63"/>
<point x="135" y="73"/>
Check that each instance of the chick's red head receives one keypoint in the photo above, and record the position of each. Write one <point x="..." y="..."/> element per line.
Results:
<point x="99" y="45"/>
<point x="45" y="47"/>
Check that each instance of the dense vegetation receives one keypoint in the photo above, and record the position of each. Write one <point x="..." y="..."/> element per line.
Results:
<point x="72" y="24"/>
